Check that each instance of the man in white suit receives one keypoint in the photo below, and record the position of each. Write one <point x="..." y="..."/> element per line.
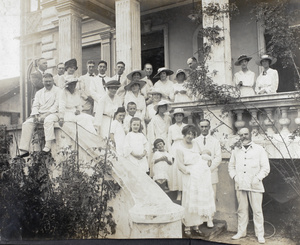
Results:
<point x="44" y="111"/>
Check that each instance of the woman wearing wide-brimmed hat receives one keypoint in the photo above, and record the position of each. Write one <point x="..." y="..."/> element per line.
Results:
<point x="70" y="68"/>
<point x="164" y="83"/>
<point x="157" y="95"/>
<point x="160" y="123"/>
<point x="267" y="81"/>
<point x="107" y="106"/>
<point x="133" y="94"/>
<point x="175" y="137"/>
<point x="180" y="93"/>
<point x="244" y="80"/>
<point x="70" y="108"/>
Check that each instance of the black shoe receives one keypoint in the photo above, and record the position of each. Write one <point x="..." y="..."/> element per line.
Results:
<point x="26" y="154"/>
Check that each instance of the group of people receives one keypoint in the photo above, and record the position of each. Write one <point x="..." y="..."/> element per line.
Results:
<point x="136" y="116"/>
<point x="266" y="83"/>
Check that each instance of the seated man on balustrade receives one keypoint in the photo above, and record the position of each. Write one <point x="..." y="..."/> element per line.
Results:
<point x="44" y="108"/>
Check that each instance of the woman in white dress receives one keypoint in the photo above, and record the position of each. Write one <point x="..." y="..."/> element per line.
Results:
<point x="244" y="80"/>
<point x="70" y="109"/>
<point x="136" y="145"/>
<point x="267" y="81"/>
<point x="175" y="138"/>
<point x="70" y="69"/>
<point x="164" y="83"/>
<point x="107" y="106"/>
<point x="180" y="93"/>
<point x="160" y="123"/>
<point x="198" y="196"/>
<point x="117" y="132"/>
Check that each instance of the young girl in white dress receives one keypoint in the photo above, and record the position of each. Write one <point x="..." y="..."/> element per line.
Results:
<point x="136" y="145"/>
<point x="162" y="161"/>
<point x="117" y="132"/>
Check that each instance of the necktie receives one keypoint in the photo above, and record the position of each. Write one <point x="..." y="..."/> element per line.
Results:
<point x="204" y="141"/>
<point x="103" y="83"/>
<point x="264" y="73"/>
<point x="119" y="78"/>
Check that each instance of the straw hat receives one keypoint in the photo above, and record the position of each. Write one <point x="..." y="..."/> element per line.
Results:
<point x="143" y="74"/>
<point x="113" y="83"/>
<point x="70" y="79"/>
<point x="162" y="102"/>
<point x="154" y="90"/>
<point x="140" y="82"/>
<point x="266" y="57"/>
<point x="178" y="111"/>
<point x="166" y="70"/>
<point x="180" y="71"/>
<point x="240" y="58"/>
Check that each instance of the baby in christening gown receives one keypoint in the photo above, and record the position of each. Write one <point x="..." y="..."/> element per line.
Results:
<point x="200" y="194"/>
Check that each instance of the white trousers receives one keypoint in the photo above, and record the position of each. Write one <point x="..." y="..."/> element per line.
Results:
<point x="28" y="128"/>
<point x="255" y="200"/>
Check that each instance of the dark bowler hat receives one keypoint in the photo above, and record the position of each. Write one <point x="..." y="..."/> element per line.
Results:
<point x="242" y="57"/>
<point x="71" y="62"/>
<point x="113" y="83"/>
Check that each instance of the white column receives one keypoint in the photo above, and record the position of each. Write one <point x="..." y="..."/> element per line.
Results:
<point x="220" y="53"/>
<point x="128" y="33"/>
<point x="105" y="50"/>
<point x="70" y="34"/>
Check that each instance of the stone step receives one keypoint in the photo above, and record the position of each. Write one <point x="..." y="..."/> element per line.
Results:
<point x="208" y="233"/>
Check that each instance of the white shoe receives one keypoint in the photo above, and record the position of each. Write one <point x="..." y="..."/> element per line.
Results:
<point x="46" y="149"/>
<point x="238" y="236"/>
<point x="261" y="240"/>
<point x="210" y="223"/>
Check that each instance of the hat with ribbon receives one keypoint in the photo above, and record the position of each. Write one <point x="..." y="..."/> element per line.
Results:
<point x="142" y="73"/>
<point x="266" y="57"/>
<point x="166" y="70"/>
<point x="140" y="82"/>
<point x="113" y="83"/>
<point x="180" y="71"/>
<point x="178" y="111"/>
<point x="161" y="103"/>
<point x="240" y="58"/>
<point x="154" y="90"/>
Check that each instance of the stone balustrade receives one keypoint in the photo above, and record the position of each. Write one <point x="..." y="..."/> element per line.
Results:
<point x="274" y="119"/>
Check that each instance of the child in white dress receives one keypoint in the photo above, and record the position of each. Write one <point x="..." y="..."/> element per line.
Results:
<point x="180" y="93"/>
<point x="136" y="145"/>
<point x="161" y="164"/>
<point x="117" y="132"/>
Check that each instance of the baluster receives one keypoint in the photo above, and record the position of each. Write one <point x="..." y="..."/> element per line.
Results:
<point x="284" y="121"/>
<point x="269" y="121"/>
<point x="297" y="119"/>
<point x="254" y="121"/>
<point x="239" y="121"/>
